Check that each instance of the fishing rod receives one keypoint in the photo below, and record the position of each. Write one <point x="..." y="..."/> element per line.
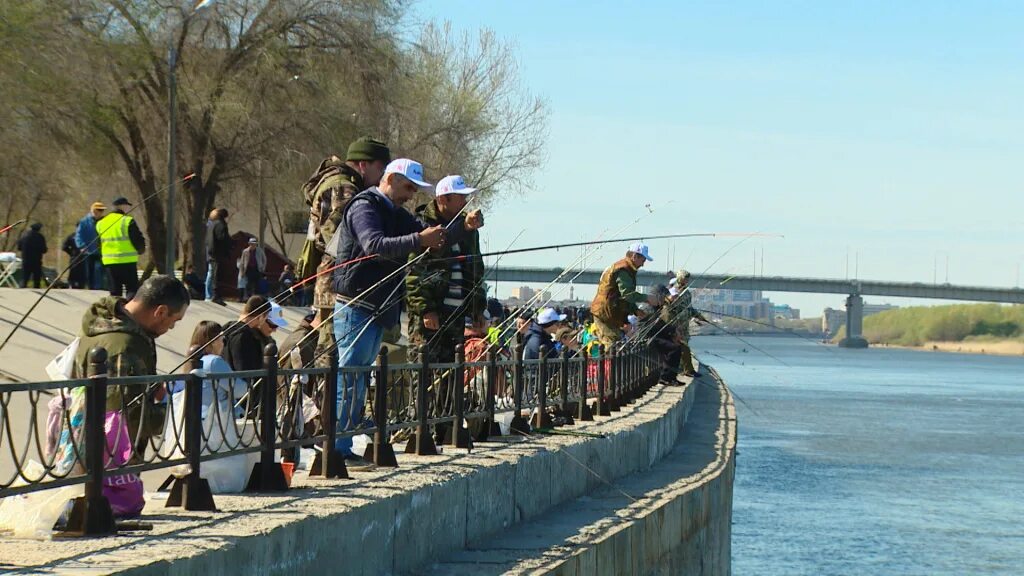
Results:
<point x="634" y="239"/>
<point x="462" y="307"/>
<point x="12" y="225"/>
<point x="83" y="255"/>
<point x="767" y="325"/>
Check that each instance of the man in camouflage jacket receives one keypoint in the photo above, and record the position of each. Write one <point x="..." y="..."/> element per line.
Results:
<point x="679" y="312"/>
<point x="441" y="293"/>
<point x="327" y="193"/>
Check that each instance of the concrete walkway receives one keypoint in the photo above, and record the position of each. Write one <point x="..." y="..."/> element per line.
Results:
<point x="541" y="545"/>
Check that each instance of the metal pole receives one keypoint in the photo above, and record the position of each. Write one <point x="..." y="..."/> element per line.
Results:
<point x="172" y="127"/>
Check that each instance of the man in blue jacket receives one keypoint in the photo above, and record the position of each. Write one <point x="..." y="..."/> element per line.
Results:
<point x="539" y="334"/>
<point x="88" y="243"/>
<point x="369" y="292"/>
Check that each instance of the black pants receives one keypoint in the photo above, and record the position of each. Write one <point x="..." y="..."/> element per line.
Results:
<point x="31" y="271"/>
<point x="123" y="279"/>
<point x="669" y="353"/>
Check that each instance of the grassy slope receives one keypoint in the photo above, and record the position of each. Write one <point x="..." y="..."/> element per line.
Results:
<point x="956" y="323"/>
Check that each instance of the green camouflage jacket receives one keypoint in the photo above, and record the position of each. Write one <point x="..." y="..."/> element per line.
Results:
<point x="327" y="194"/>
<point x="131" y="351"/>
<point x="428" y="280"/>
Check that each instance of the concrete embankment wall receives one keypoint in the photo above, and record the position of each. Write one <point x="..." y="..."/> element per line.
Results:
<point x="673" y="518"/>
<point x="683" y="528"/>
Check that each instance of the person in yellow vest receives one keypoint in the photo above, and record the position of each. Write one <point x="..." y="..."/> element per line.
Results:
<point x="121" y="242"/>
<point x="617" y="297"/>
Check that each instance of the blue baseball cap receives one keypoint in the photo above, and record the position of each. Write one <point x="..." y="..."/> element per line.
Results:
<point x="410" y="169"/>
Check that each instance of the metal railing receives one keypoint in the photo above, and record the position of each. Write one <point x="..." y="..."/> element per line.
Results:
<point x="101" y="428"/>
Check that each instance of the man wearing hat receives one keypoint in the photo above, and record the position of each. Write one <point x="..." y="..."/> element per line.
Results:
<point x="539" y="334"/>
<point x="617" y="297"/>
<point x="252" y="266"/>
<point x="327" y="192"/>
<point x="679" y="312"/>
<point x="443" y="294"/>
<point x="88" y="243"/>
<point x="370" y="292"/>
<point x="121" y="242"/>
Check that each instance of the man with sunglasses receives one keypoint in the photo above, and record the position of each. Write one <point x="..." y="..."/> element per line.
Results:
<point x="370" y="292"/>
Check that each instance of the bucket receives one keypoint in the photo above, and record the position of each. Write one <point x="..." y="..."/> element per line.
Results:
<point x="288" y="468"/>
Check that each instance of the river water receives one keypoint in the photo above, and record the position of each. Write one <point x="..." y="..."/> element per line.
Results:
<point x="878" y="461"/>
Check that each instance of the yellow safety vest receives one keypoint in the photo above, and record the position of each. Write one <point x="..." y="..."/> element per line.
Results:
<point x="115" y="245"/>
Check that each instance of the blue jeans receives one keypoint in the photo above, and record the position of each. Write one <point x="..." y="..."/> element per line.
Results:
<point x="94" y="272"/>
<point x="356" y="347"/>
<point x="211" y="279"/>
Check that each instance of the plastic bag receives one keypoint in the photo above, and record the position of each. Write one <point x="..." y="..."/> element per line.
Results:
<point x="225" y="475"/>
<point x="63" y="365"/>
<point x="33" y="515"/>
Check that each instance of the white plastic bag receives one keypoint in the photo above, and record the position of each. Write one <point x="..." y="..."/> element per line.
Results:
<point x="33" y="515"/>
<point x="63" y="365"/>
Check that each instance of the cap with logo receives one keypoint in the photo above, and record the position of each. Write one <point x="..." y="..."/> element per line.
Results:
<point x="276" y="316"/>
<point x="122" y="201"/>
<point x="641" y="249"/>
<point x="549" y="316"/>
<point x="453" y="185"/>
<point x="410" y="169"/>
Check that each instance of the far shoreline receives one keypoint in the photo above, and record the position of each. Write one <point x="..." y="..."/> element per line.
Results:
<point x="992" y="348"/>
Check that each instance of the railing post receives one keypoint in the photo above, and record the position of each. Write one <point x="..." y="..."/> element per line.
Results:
<point x="602" y="408"/>
<point x="614" y="378"/>
<point x="629" y="388"/>
<point x="584" y="414"/>
<point x="380" y="452"/>
<point x="91" y="514"/>
<point x="328" y="462"/>
<point x="564" y="385"/>
<point x="460" y="435"/>
<point x="193" y="491"/>
<point x="267" y="475"/>
<point x="422" y="442"/>
<point x="519" y="424"/>
<point x="542" y="419"/>
<point x="490" y="427"/>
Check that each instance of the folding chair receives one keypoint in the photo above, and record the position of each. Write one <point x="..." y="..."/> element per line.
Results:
<point x="9" y="266"/>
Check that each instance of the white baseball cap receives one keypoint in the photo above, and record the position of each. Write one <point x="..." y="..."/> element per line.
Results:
<point x="641" y="249"/>
<point x="453" y="185"/>
<point x="275" y="317"/>
<point x="548" y="315"/>
<point x="410" y="169"/>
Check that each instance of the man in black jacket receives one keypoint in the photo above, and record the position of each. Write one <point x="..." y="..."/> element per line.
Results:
<point x="32" y="245"/>
<point x="218" y="252"/>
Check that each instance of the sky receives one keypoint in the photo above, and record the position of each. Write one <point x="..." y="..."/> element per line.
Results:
<point x="881" y="139"/>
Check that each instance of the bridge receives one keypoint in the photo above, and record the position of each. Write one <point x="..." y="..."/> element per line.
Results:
<point x="854" y="289"/>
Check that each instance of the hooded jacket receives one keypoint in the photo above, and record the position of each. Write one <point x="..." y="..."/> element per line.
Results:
<point x="131" y="351"/>
<point x="535" y="338"/>
<point x="617" y="297"/>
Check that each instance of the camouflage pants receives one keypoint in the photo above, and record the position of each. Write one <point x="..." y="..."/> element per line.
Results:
<point x="606" y="334"/>
<point x="436" y="347"/>
<point x="687" y="358"/>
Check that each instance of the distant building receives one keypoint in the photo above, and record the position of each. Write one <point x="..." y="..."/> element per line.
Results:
<point x="785" y="312"/>
<point x="741" y="303"/>
<point x="523" y="293"/>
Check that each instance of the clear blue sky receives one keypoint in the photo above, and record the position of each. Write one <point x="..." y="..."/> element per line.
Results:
<point x="894" y="130"/>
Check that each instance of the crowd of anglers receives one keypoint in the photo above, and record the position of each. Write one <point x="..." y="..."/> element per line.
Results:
<point x="368" y="259"/>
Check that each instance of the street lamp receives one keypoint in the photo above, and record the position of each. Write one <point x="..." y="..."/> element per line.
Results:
<point x="172" y="132"/>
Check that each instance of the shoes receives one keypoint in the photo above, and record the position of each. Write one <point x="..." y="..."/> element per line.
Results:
<point x="219" y="301"/>
<point x="692" y="374"/>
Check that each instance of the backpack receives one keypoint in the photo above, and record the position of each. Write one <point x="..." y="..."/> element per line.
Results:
<point x="327" y="174"/>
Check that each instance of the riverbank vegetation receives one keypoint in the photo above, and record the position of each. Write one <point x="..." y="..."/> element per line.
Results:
<point x="920" y="325"/>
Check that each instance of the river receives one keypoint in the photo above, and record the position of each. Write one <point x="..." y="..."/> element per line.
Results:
<point x="877" y="461"/>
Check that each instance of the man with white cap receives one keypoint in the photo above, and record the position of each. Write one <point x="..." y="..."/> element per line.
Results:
<point x="441" y="292"/>
<point x="370" y="291"/>
<point x="679" y="312"/>
<point x="547" y="322"/>
<point x="617" y="297"/>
